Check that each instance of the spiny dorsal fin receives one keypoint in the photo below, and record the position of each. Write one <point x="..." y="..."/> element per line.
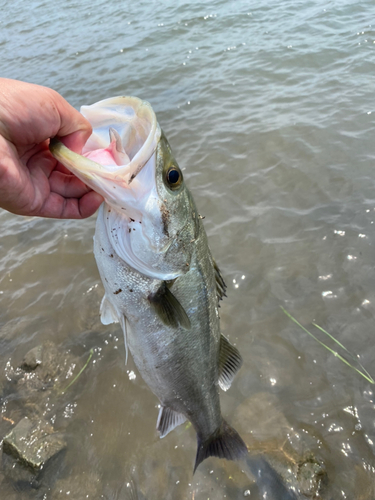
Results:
<point x="220" y="283"/>
<point x="168" y="419"/>
<point x="167" y="307"/>
<point x="230" y="362"/>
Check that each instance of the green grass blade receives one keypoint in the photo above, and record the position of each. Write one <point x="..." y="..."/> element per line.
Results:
<point x="345" y="349"/>
<point x="331" y="337"/>
<point x="80" y="372"/>
<point x="364" y="374"/>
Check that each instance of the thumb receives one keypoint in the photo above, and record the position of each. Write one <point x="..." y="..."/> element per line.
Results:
<point x="74" y="128"/>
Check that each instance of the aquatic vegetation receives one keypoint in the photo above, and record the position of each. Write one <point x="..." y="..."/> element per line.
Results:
<point x="365" y="374"/>
<point x="79" y="373"/>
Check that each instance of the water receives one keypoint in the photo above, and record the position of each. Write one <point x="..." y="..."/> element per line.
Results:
<point x="269" y="107"/>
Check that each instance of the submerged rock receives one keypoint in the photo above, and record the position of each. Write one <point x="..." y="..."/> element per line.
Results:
<point x="268" y="433"/>
<point x="39" y="380"/>
<point x="32" y="359"/>
<point x="311" y="477"/>
<point x="31" y="452"/>
<point x="79" y="487"/>
<point x="45" y="367"/>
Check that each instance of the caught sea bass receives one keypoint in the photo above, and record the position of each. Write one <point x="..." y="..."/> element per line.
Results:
<point x="161" y="282"/>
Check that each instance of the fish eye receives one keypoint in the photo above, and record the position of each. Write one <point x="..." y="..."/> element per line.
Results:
<point x="174" y="177"/>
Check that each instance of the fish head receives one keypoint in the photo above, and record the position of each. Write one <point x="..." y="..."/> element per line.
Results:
<point x="178" y="214"/>
<point x="149" y="214"/>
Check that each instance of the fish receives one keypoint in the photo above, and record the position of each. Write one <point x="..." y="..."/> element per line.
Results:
<point x="161" y="283"/>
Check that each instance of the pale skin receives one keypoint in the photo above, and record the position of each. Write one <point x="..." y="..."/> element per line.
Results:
<point x="32" y="182"/>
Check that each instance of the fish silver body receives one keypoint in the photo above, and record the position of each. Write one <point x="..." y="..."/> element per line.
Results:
<point x="163" y="286"/>
<point x="180" y="366"/>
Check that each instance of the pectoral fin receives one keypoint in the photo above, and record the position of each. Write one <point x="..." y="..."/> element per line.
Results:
<point x="168" y="419"/>
<point x="230" y="361"/>
<point x="169" y="310"/>
<point x="124" y="325"/>
<point x="108" y="313"/>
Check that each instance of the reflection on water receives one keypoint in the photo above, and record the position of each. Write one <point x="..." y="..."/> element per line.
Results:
<point x="269" y="109"/>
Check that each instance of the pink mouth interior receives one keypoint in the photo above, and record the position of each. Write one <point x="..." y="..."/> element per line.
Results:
<point x="105" y="157"/>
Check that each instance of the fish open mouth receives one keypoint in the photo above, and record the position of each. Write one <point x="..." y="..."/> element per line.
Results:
<point x="119" y="162"/>
<point x="124" y="139"/>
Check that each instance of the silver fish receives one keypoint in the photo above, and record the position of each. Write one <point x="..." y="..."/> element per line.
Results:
<point x="161" y="283"/>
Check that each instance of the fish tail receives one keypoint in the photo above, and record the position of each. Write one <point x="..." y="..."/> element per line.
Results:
<point x="225" y="442"/>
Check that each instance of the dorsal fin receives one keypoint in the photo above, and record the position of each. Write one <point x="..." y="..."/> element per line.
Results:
<point x="168" y="419"/>
<point x="230" y="361"/>
<point x="220" y="283"/>
<point x="167" y="307"/>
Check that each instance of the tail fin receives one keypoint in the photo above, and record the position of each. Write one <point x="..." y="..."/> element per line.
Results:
<point x="224" y="443"/>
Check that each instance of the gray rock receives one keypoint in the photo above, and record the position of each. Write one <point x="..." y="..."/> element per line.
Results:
<point x="44" y="373"/>
<point x="32" y="359"/>
<point x="31" y="452"/>
<point x="46" y="367"/>
<point x="311" y="477"/>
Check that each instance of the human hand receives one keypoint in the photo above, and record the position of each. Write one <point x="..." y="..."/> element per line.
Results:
<point x="32" y="182"/>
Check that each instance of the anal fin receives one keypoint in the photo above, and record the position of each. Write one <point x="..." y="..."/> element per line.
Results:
<point x="230" y="361"/>
<point x="168" y="419"/>
<point x="167" y="307"/>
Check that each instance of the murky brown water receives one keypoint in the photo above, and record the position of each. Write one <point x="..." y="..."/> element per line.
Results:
<point x="269" y="107"/>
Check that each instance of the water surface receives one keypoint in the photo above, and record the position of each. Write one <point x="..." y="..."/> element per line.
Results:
<point x="269" y="108"/>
